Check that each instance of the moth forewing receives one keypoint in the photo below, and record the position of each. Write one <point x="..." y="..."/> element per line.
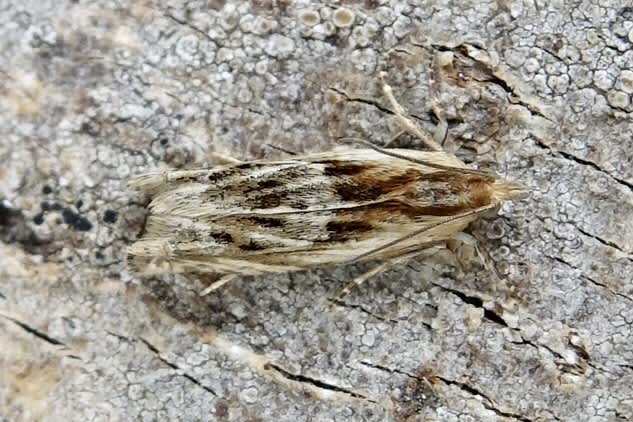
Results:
<point x="308" y="211"/>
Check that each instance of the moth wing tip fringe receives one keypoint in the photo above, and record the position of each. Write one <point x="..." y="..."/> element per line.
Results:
<point x="147" y="182"/>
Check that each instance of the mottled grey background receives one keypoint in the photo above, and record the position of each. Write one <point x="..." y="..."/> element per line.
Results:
<point x="94" y="91"/>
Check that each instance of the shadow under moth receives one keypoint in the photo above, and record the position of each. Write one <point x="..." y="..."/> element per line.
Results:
<point x="311" y="210"/>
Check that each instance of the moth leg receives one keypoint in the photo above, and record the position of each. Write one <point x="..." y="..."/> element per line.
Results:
<point x="463" y="259"/>
<point x="482" y="254"/>
<point x="158" y="264"/>
<point x="393" y="138"/>
<point x="217" y="284"/>
<point x="441" y="130"/>
<point x="429" y="248"/>
<point x="361" y="279"/>
<point x="406" y="122"/>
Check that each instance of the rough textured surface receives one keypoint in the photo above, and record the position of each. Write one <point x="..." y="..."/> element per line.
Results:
<point x="95" y="91"/>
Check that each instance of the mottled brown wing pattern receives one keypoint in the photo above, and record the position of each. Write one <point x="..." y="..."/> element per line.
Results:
<point x="309" y="211"/>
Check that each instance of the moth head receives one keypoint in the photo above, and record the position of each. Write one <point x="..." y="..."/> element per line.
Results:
<point x="503" y="190"/>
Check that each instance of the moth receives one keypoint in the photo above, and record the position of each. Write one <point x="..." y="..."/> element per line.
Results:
<point x="348" y="204"/>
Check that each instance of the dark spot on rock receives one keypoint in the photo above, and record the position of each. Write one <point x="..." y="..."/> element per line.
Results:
<point x="98" y="255"/>
<point x="110" y="216"/>
<point x="90" y="127"/>
<point x="371" y="4"/>
<point x="45" y="206"/>
<point x="163" y="141"/>
<point x="69" y="217"/>
<point x="38" y="219"/>
<point x="7" y="214"/>
<point x="335" y="41"/>
<point x="56" y="207"/>
<point x="83" y="224"/>
<point x="79" y="204"/>
<point x="46" y="189"/>
<point x="221" y="409"/>
<point x="76" y="221"/>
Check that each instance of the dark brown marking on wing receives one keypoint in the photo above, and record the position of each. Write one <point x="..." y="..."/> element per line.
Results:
<point x="247" y="165"/>
<point x="370" y="186"/>
<point x="221" y="237"/>
<point x="277" y="198"/>
<point x="270" y="222"/>
<point x="348" y="191"/>
<point x="340" y="230"/>
<point x="476" y="194"/>
<point x="387" y="211"/>
<point x="268" y="183"/>
<point x="399" y="181"/>
<point x="219" y="175"/>
<point x="222" y="173"/>
<point x="252" y="246"/>
<point x="258" y="185"/>
<point x="185" y="179"/>
<point x="344" y="168"/>
<point x="268" y="200"/>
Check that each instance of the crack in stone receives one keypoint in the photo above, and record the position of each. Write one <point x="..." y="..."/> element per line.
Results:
<point x="582" y="161"/>
<point x="190" y="26"/>
<point x="362" y="101"/>
<point x="477" y="302"/>
<point x="387" y="369"/>
<point x="576" y="368"/>
<point x="603" y="241"/>
<point x="364" y="310"/>
<point x="596" y="167"/>
<point x="586" y="277"/>
<point x="488" y="404"/>
<point x="266" y="368"/>
<point x="314" y="382"/>
<point x="560" y="360"/>
<point x="172" y="365"/>
<point x="37" y="333"/>
<point x="493" y="75"/>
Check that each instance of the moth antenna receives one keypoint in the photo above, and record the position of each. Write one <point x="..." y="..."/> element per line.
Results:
<point x="285" y="151"/>
<point x="401" y="115"/>
<point x="217" y="284"/>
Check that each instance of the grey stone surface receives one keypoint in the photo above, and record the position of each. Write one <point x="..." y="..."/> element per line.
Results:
<point x="94" y="91"/>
